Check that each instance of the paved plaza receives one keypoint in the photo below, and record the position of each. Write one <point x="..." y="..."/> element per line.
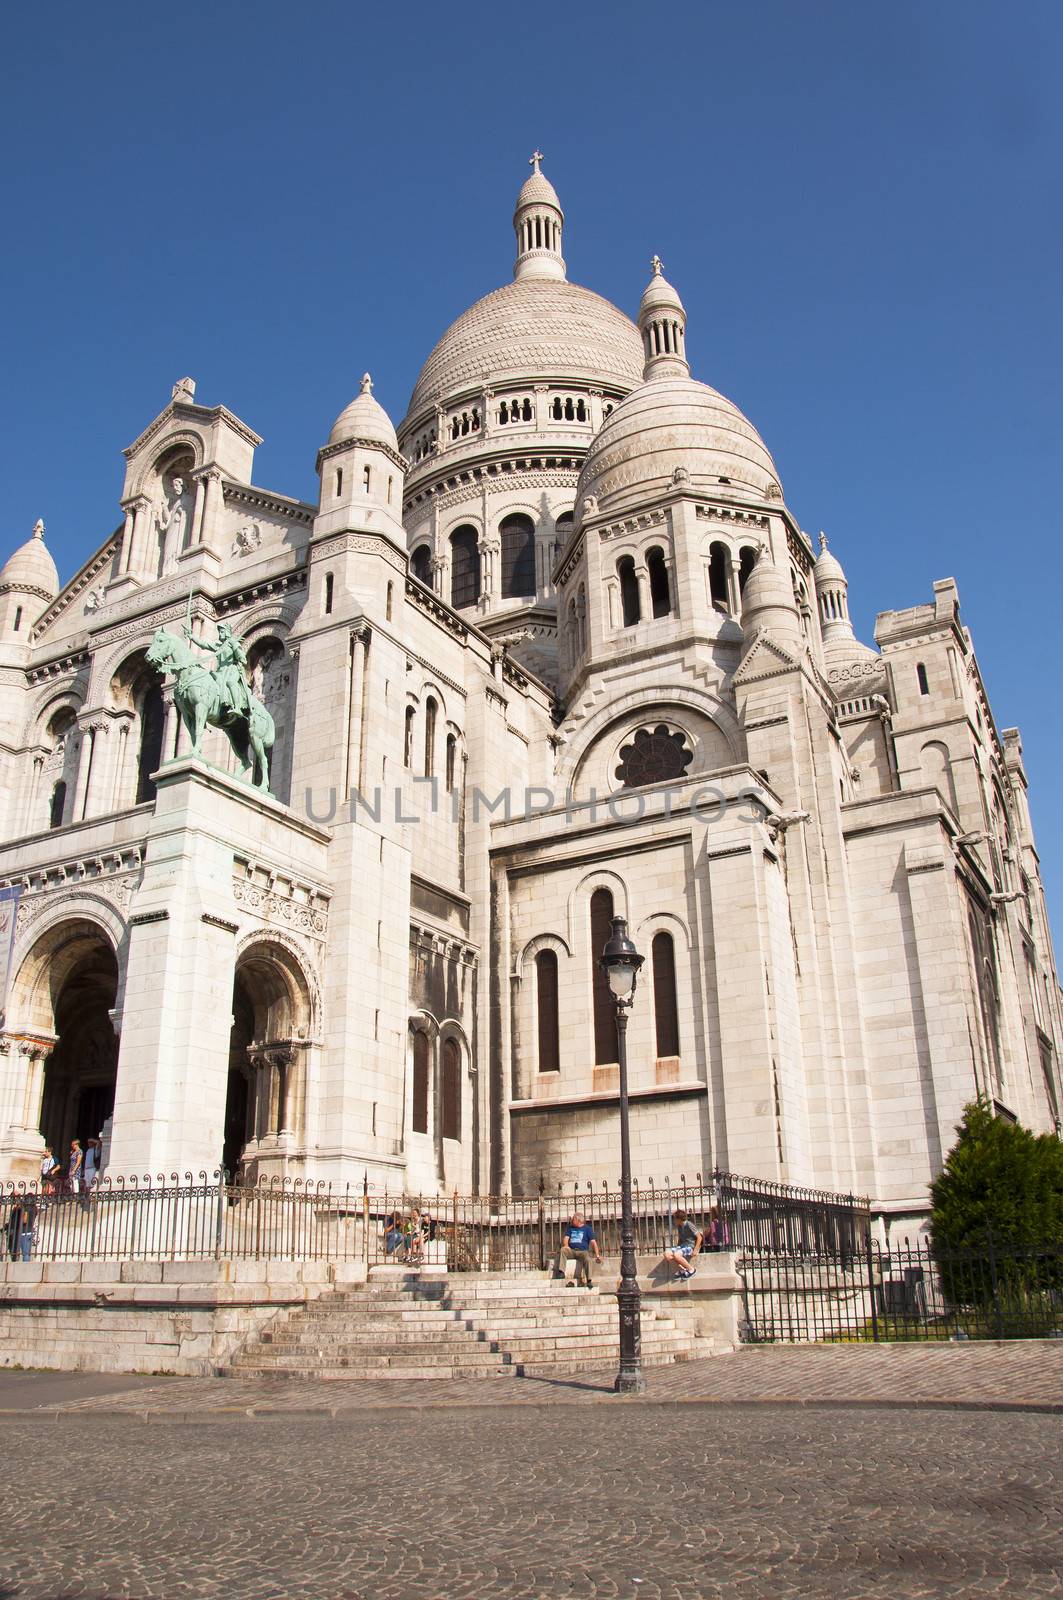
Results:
<point x="925" y="1473"/>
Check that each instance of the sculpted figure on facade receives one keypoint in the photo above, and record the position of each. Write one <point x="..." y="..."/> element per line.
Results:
<point x="171" y="523"/>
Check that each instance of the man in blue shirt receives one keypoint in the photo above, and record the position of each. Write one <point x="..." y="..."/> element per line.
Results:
<point x="577" y="1244"/>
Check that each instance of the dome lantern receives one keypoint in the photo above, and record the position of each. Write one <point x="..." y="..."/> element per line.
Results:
<point x="537" y="222"/>
<point x="662" y="323"/>
<point x="832" y="595"/>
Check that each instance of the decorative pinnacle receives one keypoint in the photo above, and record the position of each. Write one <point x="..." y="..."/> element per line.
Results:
<point x="534" y="159"/>
<point x="367" y="384"/>
<point x="822" y="540"/>
<point x="38" y="529"/>
<point x="658" y="267"/>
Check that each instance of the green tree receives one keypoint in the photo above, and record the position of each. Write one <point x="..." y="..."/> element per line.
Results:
<point x="999" y="1181"/>
<point x="997" y="1223"/>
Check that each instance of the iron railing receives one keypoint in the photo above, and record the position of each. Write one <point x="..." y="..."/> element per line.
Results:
<point x="200" y="1217"/>
<point x="910" y="1291"/>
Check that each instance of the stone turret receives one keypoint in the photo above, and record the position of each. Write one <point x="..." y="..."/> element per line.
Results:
<point x="28" y="583"/>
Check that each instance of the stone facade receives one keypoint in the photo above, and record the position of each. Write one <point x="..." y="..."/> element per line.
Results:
<point x="554" y="650"/>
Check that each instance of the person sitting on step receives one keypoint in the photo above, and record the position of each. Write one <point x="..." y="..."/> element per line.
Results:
<point x="577" y="1244"/>
<point x="684" y="1252"/>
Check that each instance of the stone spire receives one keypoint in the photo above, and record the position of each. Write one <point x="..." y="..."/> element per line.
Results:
<point x="663" y="323"/>
<point x="832" y="595"/>
<point x="537" y="222"/>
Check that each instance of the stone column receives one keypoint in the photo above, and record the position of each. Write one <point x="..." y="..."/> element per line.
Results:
<point x="212" y="507"/>
<point x="195" y="533"/>
<point x="98" y="781"/>
<point x="140" y="533"/>
<point x="22" y="1061"/>
<point x="127" y="536"/>
<point x="169" y="718"/>
<point x="31" y="821"/>
<point x="120" y="761"/>
<point x="87" y="748"/>
<point x="734" y="588"/>
<point x="642" y="578"/>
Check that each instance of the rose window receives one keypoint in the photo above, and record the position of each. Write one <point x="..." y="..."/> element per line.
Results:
<point x="654" y="755"/>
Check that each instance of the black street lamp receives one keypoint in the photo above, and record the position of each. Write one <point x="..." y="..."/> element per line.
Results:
<point x="620" y="962"/>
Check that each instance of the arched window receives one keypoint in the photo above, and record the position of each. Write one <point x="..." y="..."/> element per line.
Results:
<point x="546" y="1009"/>
<point x="518" y="556"/>
<point x="407" y="749"/>
<point x="629" y="591"/>
<point x="719" y="565"/>
<point x="419" y="1110"/>
<point x="665" y="1011"/>
<point x="429" y="737"/>
<point x="450" y="1091"/>
<point x="660" y="596"/>
<point x="388" y="602"/>
<point x="605" y="1045"/>
<point x="747" y="560"/>
<point x="329" y="585"/>
<point x="464" y="567"/>
<point x="421" y="564"/>
<point x="452" y="759"/>
<point x="924" y="683"/>
<point x="149" y="759"/>
<point x="18" y="618"/>
<point x="57" y="805"/>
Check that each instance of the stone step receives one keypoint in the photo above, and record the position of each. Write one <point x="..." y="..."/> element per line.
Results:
<point x="523" y="1344"/>
<point x="360" y="1375"/>
<point x="323" y="1333"/>
<point x="472" y="1358"/>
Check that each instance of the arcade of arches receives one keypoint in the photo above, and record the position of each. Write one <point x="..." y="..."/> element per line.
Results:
<point x="63" y="1047"/>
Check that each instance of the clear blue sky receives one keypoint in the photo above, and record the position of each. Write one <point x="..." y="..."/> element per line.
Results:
<point x="859" y="204"/>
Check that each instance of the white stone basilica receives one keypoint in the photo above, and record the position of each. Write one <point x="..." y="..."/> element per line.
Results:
<point x="555" y="650"/>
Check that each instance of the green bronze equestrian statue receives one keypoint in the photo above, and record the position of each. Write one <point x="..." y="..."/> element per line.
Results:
<point x="218" y="697"/>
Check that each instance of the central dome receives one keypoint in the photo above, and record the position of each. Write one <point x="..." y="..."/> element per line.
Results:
<point x="530" y="329"/>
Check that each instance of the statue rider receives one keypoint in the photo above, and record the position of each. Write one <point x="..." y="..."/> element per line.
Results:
<point x="230" y="666"/>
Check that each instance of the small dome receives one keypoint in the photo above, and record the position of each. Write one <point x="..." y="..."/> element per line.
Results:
<point x="668" y="423"/>
<point x="532" y="329"/>
<point x="538" y="191"/>
<point x="364" y="418"/>
<point x="31" y="567"/>
<point x="659" y="293"/>
<point x="828" y="569"/>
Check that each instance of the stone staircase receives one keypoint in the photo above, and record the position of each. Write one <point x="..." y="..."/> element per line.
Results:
<point x="488" y="1325"/>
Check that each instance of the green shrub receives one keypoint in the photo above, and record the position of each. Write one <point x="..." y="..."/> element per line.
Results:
<point x="997" y="1218"/>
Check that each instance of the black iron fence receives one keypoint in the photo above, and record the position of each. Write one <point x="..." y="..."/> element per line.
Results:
<point x="911" y="1291"/>
<point x="204" y="1217"/>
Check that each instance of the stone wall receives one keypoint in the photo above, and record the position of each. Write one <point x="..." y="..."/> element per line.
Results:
<point x="184" y="1317"/>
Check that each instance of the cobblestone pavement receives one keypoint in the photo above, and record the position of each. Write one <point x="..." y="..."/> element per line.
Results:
<point x="693" y="1502"/>
<point x="1026" y="1374"/>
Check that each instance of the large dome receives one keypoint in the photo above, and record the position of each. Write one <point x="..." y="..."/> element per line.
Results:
<point x="532" y="328"/>
<point x="673" y="423"/>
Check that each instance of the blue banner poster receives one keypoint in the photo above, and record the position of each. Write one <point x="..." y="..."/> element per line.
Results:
<point x="8" y="918"/>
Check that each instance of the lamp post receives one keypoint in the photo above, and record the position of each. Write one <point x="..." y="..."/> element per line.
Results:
<point x="620" y="962"/>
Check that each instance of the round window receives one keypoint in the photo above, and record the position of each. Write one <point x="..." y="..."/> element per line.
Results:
<point x="654" y="755"/>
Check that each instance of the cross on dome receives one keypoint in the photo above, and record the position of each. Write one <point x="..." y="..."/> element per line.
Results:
<point x="534" y="159"/>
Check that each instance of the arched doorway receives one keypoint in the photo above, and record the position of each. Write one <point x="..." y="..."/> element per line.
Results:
<point x="271" y="1032"/>
<point x="68" y="986"/>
